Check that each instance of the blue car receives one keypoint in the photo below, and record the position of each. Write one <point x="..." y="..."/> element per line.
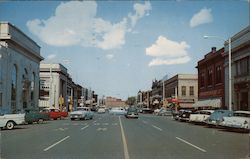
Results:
<point x="217" y="117"/>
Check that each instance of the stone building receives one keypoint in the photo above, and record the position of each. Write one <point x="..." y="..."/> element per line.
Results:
<point x="19" y="70"/>
<point x="185" y="86"/>
<point x="240" y="70"/>
<point x="114" y="102"/>
<point x="211" y="80"/>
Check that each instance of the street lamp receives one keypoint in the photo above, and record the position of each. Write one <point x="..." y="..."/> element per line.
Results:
<point x="229" y="67"/>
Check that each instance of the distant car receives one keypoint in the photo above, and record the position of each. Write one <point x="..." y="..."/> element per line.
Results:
<point x="156" y="111"/>
<point x="239" y="120"/>
<point x="147" y="111"/>
<point x="55" y="113"/>
<point x="217" y="116"/>
<point x="118" y="111"/>
<point x="9" y="121"/>
<point x="200" y="116"/>
<point x="32" y="115"/>
<point x="82" y="113"/>
<point x="101" y="110"/>
<point x="132" y="113"/>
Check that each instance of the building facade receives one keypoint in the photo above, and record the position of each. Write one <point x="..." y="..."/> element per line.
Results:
<point x="240" y="47"/>
<point x="114" y="102"/>
<point x="211" y="80"/>
<point x="184" y="87"/>
<point x="19" y="70"/>
<point x="156" y="95"/>
<point x="56" y="87"/>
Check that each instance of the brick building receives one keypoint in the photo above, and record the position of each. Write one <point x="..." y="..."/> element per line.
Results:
<point x="211" y="79"/>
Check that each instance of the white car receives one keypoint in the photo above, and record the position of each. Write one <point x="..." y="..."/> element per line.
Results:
<point x="82" y="113"/>
<point x="200" y="116"/>
<point x="118" y="111"/>
<point x="9" y="121"/>
<point x="240" y="120"/>
<point x="101" y="110"/>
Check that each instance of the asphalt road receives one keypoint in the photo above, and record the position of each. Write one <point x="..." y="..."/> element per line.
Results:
<point x="113" y="137"/>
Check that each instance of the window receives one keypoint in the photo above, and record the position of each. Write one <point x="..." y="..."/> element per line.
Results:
<point x="32" y="88"/>
<point x="1" y="99"/>
<point x="202" y="79"/>
<point x="191" y="90"/>
<point x="218" y="74"/>
<point x="209" y="77"/>
<point x="183" y="90"/>
<point x="242" y="66"/>
<point x="13" y="88"/>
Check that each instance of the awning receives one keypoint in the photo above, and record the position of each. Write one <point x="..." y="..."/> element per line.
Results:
<point x="215" y="103"/>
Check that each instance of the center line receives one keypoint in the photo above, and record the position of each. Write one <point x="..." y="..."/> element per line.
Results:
<point x="56" y="143"/>
<point x="157" y="127"/>
<point x="85" y="127"/>
<point x="125" y="146"/>
<point x="191" y="144"/>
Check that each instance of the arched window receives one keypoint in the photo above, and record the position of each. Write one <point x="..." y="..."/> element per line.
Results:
<point x="13" y="88"/>
<point x="32" y="88"/>
<point x="26" y="84"/>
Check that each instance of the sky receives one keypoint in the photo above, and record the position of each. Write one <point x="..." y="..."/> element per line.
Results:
<point x="117" y="48"/>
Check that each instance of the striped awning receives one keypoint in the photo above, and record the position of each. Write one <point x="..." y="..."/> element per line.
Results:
<point x="215" y="103"/>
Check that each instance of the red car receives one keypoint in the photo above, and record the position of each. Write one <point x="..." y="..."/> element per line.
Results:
<point x="55" y="113"/>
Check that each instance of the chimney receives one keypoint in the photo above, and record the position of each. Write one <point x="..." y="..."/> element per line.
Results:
<point x="213" y="50"/>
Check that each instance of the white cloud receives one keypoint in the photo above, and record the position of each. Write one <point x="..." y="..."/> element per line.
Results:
<point x="140" y="11"/>
<point x="51" y="56"/>
<point x="110" y="56"/>
<point x="202" y="17"/>
<point x="75" y="23"/>
<point x="167" y="52"/>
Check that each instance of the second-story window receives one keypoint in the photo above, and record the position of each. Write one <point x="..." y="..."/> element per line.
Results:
<point x="191" y="90"/>
<point x="202" y="79"/>
<point x="218" y="74"/>
<point x="210" y="77"/>
<point x="183" y="90"/>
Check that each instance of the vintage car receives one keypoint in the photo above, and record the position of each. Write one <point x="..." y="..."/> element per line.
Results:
<point x="185" y="114"/>
<point x="132" y="112"/>
<point x="217" y="116"/>
<point x="82" y="113"/>
<point x="101" y="110"/>
<point x="32" y="115"/>
<point x="239" y="120"/>
<point x="200" y="116"/>
<point x="54" y="113"/>
<point x="9" y="121"/>
<point x="118" y="111"/>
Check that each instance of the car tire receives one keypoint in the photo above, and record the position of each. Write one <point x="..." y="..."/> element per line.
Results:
<point x="10" y="125"/>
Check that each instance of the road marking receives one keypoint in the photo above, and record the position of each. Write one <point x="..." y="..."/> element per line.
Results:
<point x="84" y="127"/>
<point x="101" y="129"/>
<point x="96" y="123"/>
<point x="157" y="127"/>
<point x="58" y="142"/>
<point x="125" y="146"/>
<point x="144" y="122"/>
<point x="191" y="144"/>
<point x="114" y="124"/>
<point x="105" y="124"/>
<point x="65" y="123"/>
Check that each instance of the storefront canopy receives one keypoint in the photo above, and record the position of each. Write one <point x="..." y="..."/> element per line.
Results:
<point x="215" y="103"/>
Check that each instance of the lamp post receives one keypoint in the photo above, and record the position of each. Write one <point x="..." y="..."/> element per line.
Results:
<point x="229" y="68"/>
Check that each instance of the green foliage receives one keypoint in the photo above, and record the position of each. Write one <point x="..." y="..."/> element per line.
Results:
<point x="131" y="100"/>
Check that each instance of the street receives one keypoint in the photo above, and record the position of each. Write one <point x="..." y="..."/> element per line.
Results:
<point x="115" y="137"/>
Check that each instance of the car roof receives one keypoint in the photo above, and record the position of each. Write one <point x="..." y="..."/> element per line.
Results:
<point x="243" y="112"/>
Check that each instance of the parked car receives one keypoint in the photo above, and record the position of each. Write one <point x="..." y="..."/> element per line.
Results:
<point x="164" y="112"/>
<point x="147" y="111"/>
<point x="9" y="121"/>
<point x="118" y="111"/>
<point x="101" y="110"/>
<point x="184" y="115"/>
<point x="82" y="113"/>
<point x="32" y="115"/>
<point x="132" y="113"/>
<point x="200" y="116"/>
<point x="55" y="113"/>
<point x="239" y="120"/>
<point x="217" y="116"/>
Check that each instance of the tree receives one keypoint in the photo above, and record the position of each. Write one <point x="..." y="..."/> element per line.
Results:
<point x="131" y="101"/>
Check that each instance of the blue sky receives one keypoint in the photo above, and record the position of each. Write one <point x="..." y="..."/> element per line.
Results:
<point x="119" y="47"/>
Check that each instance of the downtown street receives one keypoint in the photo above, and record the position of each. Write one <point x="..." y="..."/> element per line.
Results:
<point x="116" y="137"/>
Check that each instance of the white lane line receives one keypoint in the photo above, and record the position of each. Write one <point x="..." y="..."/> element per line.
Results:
<point x="58" y="142"/>
<point x="157" y="127"/>
<point x="144" y="122"/>
<point x="191" y="144"/>
<point x="84" y="127"/>
<point x="125" y="146"/>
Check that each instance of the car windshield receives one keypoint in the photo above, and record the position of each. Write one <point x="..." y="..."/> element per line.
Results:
<point x="124" y="79"/>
